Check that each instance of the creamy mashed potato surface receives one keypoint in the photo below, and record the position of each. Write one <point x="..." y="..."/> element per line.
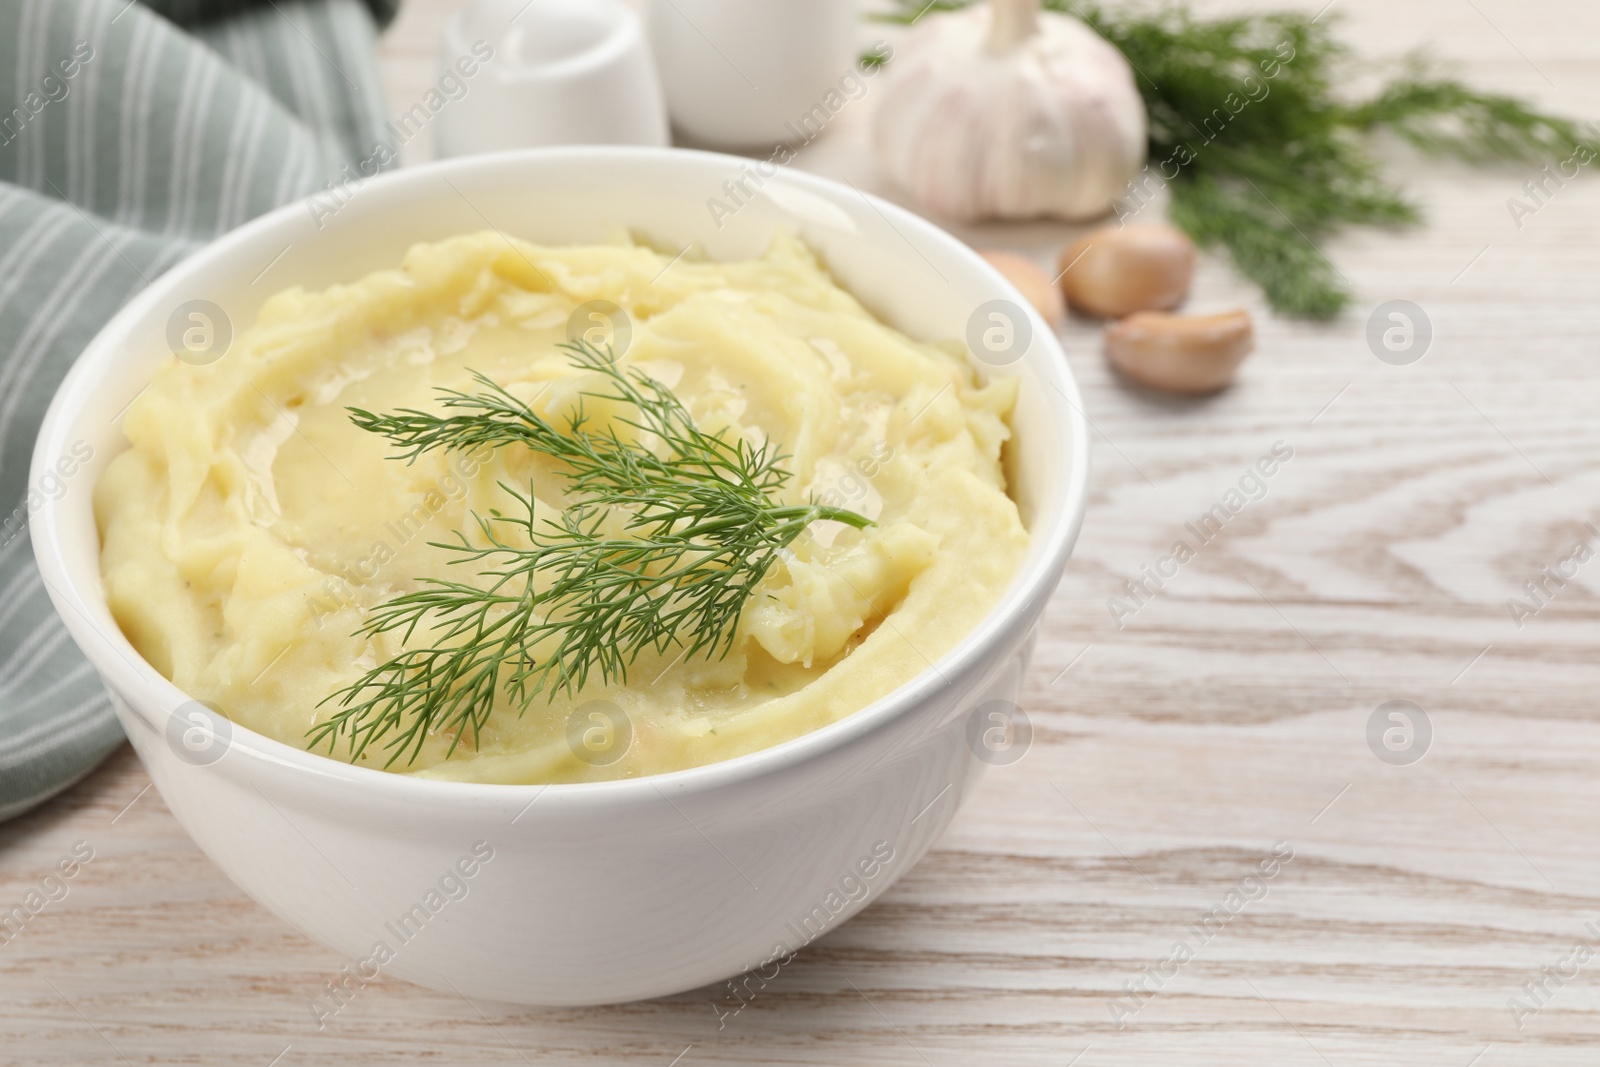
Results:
<point x="251" y="527"/>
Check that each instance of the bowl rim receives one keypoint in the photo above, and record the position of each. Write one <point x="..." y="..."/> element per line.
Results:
<point x="130" y="677"/>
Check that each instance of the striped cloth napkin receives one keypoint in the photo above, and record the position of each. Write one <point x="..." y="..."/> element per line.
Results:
<point x="130" y="134"/>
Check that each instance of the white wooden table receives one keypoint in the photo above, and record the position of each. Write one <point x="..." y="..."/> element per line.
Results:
<point x="1170" y="755"/>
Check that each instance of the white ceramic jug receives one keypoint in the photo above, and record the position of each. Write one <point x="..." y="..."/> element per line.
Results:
<point x="744" y="73"/>
<point x="561" y="72"/>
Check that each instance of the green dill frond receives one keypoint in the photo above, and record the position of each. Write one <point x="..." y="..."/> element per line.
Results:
<point x="661" y="549"/>
<point x="1445" y="118"/>
<point x="1262" y="154"/>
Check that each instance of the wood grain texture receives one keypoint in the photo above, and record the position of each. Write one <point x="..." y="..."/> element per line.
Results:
<point x="1170" y="754"/>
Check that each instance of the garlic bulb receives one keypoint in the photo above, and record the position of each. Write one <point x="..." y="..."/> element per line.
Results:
<point x="1001" y="110"/>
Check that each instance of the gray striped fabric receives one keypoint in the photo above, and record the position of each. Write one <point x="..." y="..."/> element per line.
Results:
<point x="130" y="134"/>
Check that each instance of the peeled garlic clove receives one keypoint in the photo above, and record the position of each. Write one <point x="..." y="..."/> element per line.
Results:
<point x="1116" y="271"/>
<point x="1033" y="283"/>
<point x="1180" y="353"/>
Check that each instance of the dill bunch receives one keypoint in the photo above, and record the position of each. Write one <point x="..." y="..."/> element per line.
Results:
<point x="1269" y="180"/>
<point x="660" y="547"/>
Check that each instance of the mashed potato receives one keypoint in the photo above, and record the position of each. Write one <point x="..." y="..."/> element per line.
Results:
<point x="251" y="527"/>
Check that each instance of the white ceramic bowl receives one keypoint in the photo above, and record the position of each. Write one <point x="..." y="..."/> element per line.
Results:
<point x="597" y="892"/>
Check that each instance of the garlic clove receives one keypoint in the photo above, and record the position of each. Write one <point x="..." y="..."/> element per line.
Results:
<point x="1116" y="271"/>
<point x="1032" y="282"/>
<point x="1180" y="353"/>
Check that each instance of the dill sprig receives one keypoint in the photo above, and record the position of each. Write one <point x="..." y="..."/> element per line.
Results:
<point x="1271" y="180"/>
<point x="669" y="531"/>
